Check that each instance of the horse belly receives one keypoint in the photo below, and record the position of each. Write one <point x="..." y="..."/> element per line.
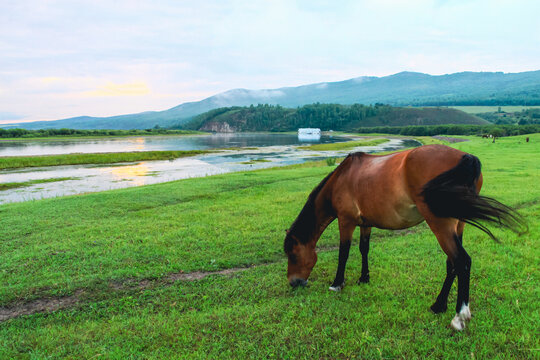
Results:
<point x="395" y="216"/>
<point x="408" y="215"/>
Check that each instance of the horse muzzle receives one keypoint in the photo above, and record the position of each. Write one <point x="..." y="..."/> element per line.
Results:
<point x="298" y="282"/>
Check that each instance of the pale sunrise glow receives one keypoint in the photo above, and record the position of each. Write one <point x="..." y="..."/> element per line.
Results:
<point x="112" y="89"/>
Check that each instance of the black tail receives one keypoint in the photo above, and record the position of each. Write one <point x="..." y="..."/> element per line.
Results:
<point x="453" y="194"/>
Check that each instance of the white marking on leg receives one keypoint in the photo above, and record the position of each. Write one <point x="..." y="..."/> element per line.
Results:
<point x="459" y="322"/>
<point x="465" y="312"/>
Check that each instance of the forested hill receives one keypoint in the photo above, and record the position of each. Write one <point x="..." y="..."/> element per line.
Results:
<point x="323" y="116"/>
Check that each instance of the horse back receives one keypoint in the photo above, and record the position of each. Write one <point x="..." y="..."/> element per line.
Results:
<point x="384" y="190"/>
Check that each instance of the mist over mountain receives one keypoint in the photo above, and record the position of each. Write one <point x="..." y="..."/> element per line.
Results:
<point x="402" y="89"/>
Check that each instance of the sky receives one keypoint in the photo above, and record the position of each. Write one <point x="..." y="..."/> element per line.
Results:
<point x="61" y="59"/>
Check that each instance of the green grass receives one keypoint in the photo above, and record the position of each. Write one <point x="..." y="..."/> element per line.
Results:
<point x="424" y="140"/>
<point x="428" y="140"/>
<point x="91" y="242"/>
<point x="254" y="161"/>
<point x="13" y="162"/>
<point x="344" y="145"/>
<point x="15" y="185"/>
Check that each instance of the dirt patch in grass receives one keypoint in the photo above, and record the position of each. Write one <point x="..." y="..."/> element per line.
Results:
<point x="39" y="306"/>
<point x="50" y="304"/>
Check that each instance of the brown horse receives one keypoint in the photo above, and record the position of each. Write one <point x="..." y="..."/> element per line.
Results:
<point x="434" y="183"/>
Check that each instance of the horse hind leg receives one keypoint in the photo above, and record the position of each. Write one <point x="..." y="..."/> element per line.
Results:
<point x="365" y="233"/>
<point x="463" y="269"/>
<point x="446" y="231"/>
<point x="440" y="304"/>
<point x="346" y="230"/>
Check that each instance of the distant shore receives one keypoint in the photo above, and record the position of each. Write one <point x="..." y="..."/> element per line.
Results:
<point x="57" y="134"/>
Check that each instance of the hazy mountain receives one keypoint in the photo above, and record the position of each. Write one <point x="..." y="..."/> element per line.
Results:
<point x="402" y="89"/>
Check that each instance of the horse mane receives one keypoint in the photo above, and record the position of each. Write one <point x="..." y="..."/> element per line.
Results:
<point x="304" y="225"/>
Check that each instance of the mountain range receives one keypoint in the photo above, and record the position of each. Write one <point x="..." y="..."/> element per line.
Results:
<point x="401" y="89"/>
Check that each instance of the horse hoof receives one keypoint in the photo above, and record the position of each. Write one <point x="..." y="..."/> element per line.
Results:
<point x="438" y="308"/>
<point x="460" y="320"/>
<point x="363" y="280"/>
<point x="336" y="288"/>
<point x="457" y="323"/>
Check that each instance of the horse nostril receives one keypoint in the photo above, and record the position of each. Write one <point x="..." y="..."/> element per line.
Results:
<point x="296" y="282"/>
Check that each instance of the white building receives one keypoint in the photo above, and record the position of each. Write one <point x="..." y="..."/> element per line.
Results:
<point x="309" y="134"/>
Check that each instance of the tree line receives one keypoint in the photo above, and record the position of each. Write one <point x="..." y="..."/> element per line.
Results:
<point x="521" y="98"/>
<point x="495" y="130"/>
<point x="523" y="117"/>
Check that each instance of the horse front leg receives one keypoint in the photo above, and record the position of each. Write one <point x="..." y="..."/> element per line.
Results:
<point x="441" y="304"/>
<point x="346" y="229"/>
<point x="365" y="233"/>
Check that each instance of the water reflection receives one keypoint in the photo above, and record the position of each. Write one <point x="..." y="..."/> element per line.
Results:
<point x="133" y="173"/>
<point x="150" y="143"/>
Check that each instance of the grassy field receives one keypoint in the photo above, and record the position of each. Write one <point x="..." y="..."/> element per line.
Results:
<point x="118" y="254"/>
<point x="14" y="162"/>
<point x="485" y="109"/>
<point x="348" y="145"/>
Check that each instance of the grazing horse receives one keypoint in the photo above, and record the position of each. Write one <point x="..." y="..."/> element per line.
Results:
<point x="434" y="183"/>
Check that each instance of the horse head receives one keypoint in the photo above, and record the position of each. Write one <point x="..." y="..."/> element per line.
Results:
<point x="302" y="258"/>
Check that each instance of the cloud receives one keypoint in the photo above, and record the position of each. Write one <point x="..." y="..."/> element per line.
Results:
<point x="235" y="93"/>
<point x="112" y="89"/>
<point x="65" y="58"/>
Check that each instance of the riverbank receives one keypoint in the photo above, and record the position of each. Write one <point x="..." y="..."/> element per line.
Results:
<point x="196" y="267"/>
<point x="17" y="185"/>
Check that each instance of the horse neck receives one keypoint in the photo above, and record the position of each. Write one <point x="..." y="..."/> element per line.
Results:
<point x="312" y="221"/>
<point x="322" y="224"/>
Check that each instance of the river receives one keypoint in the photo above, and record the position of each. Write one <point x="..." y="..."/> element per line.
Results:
<point x="151" y="143"/>
<point x="260" y="151"/>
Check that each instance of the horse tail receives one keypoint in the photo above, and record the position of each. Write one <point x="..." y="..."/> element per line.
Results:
<point x="454" y="194"/>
